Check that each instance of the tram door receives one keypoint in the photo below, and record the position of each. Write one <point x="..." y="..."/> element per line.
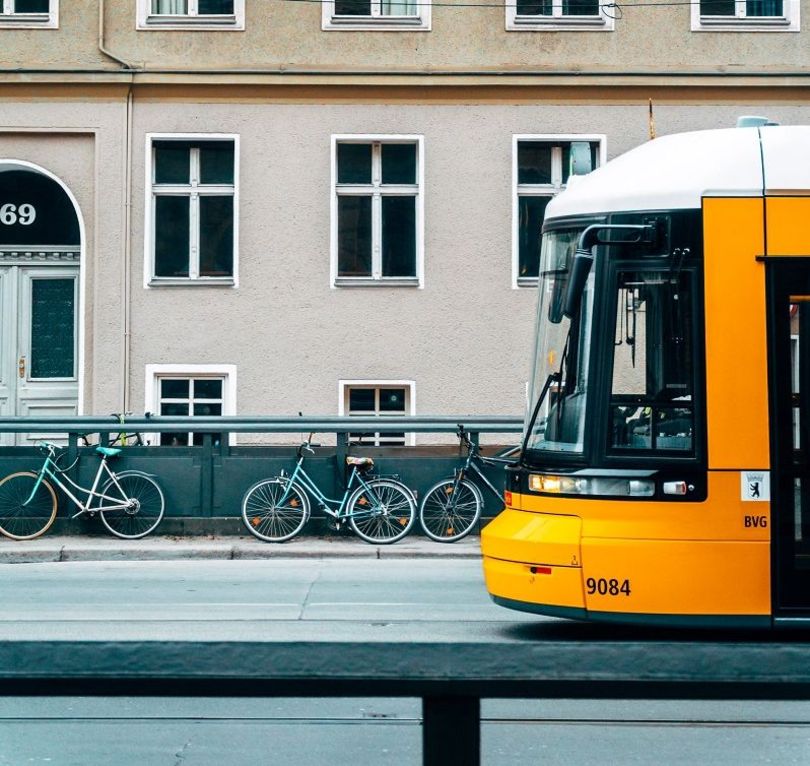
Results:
<point x="789" y="370"/>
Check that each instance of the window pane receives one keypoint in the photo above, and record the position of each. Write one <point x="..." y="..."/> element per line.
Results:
<point x="207" y="388"/>
<point x="32" y="6"/>
<point x="534" y="162"/>
<point x="216" y="162"/>
<point x="398" y="7"/>
<point x="352" y="7"/>
<point x="392" y="400"/>
<point x="763" y="8"/>
<point x="172" y="162"/>
<point x="534" y="7"/>
<point x="174" y="409"/>
<point x="361" y="400"/>
<point x="173" y="440"/>
<point x="580" y="7"/>
<point x="354" y="236"/>
<point x="531" y="211"/>
<point x="212" y="7"/>
<point x="399" y="163"/>
<point x="171" y="236"/>
<point x="399" y="236"/>
<point x="170" y="7"/>
<point x="216" y="236"/>
<point x="53" y="310"/>
<point x="717" y="8"/>
<point x="354" y="163"/>
<point x="205" y="409"/>
<point x="174" y="389"/>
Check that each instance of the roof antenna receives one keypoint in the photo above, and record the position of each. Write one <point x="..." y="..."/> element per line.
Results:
<point x="651" y="122"/>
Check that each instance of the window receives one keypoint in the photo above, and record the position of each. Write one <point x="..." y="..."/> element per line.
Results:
<point x="190" y="391"/>
<point x="745" y="16"/>
<point x="372" y="398"/>
<point x="377" y="210"/>
<point x="28" y="14"/>
<point x="191" y="210"/>
<point x="191" y="14"/>
<point x="551" y="15"/>
<point x="541" y="167"/>
<point x="371" y="15"/>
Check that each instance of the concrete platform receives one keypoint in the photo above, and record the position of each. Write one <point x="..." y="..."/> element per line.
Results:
<point x="50" y="548"/>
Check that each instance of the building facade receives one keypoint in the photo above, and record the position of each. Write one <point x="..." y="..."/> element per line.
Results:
<point x="278" y="206"/>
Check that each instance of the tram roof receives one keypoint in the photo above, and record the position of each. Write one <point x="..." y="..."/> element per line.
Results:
<point x="676" y="171"/>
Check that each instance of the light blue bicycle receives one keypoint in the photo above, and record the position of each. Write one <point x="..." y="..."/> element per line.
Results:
<point x="379" y="510"/>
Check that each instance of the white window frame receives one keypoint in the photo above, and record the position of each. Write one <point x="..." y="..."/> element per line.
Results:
<point x="556" y="22"/>
<point x="377" y="191"/>
<point x="408" y="385"/>
<point x="146" y="20"/>
<point x="150" y="280"/>
<point x="376" y="22"/>
<point x="542" y="190"/>
<point x="11" y="20"/>
<point x="788" y="22"/>
<point x="156" y="372"/>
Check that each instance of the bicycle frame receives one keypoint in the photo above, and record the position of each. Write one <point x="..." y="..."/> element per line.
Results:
<point x="50" y="470"/>
<point x="301" y="476"/>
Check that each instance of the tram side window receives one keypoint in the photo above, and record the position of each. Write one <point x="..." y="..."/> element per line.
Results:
<point x="651" y="402"/>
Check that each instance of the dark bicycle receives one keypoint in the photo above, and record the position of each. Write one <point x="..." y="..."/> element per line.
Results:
<point x="452" y="506"/>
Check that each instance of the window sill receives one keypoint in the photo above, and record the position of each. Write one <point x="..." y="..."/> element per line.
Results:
<point x="527" y="282"/>
<point x="369" y="282"/>
<point x="192" y="23"/>
<point x="731" y="24"/>
<point x="187" y="281"/>
<point x="29" y="21"/>
<point x="376" y="24"/>
<point x="559" y="24"/>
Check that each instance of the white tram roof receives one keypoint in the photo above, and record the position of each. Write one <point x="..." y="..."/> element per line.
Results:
<point x="674" y="172"/>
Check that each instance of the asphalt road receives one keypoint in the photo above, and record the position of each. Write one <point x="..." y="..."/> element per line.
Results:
<point x="376" y="599"/>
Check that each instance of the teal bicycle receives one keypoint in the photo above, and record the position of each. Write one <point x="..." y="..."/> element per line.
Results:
<point x="379" y="510"/>
<point x="130" y="504"/>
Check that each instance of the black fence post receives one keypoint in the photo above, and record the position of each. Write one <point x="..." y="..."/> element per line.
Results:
<point x="451" y="731"/>
<point x="341" y="453"/>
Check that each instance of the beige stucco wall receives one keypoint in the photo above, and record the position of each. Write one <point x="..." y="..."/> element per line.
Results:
<point x="289" y="35"/>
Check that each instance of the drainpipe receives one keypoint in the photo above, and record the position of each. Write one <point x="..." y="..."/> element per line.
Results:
<point x="126" y="277"/>
<point x="101" y="46"/>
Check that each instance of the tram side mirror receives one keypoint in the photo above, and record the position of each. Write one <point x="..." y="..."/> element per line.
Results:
<point x="577" y="278"/>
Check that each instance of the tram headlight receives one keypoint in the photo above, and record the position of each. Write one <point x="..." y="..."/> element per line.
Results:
<point x="591" y="485"/>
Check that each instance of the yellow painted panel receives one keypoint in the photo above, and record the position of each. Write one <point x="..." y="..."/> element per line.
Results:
<point x="515" y="581"/>
<point x="736" y="352"/>
<point x="534" y="538"/>
<point x="786" y="222"/>
<point x="674" y="577"/>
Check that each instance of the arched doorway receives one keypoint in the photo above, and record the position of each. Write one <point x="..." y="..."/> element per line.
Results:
<point x="40" y="253"/>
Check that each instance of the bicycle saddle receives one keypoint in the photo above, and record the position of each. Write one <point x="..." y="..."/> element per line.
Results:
<point x="108" y="451"/>
<point x="360" y="462"/>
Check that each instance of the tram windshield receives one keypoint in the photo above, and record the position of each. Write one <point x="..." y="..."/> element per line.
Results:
<point x="560" y="372"/>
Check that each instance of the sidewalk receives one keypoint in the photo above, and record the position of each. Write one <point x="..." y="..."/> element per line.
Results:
<point x="79" y="548"/>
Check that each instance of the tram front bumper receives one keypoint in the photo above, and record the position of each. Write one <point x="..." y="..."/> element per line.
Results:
<point x="533" y="562"/>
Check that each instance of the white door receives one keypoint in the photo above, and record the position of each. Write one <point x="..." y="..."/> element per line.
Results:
<point x="38" y="342"/>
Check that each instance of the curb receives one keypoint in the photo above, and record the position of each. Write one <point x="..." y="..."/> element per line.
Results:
<point x="78" y="549"/>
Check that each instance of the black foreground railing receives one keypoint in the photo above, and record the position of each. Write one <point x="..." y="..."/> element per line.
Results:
<point x="204" y="485"/>
<point x="451" y="678"/>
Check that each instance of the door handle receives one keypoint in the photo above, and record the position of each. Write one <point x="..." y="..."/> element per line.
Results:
<point x="21" y="367"/>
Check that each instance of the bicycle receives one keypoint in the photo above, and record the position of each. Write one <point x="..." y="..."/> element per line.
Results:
<point x="451" y="507"/>
<point x="130" y="504"/>
<point x="123" y="438"/>
<point x="379" y="510"/>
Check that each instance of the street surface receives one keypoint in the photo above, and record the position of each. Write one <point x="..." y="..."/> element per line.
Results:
<point x="373" y="599"/>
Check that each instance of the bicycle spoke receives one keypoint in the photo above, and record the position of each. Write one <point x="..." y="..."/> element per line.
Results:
<point x="274" y="511"/>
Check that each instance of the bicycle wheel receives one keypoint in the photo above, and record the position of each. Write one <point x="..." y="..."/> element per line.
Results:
<point x="449" y="511"/>
<point x="275" y="510"/>
<point x="382" y="511"/>
<point x="144" y="509"/>
<point x="22" y="520"/>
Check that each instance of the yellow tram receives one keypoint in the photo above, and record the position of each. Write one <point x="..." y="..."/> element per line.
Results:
<point x="664" y="476"/>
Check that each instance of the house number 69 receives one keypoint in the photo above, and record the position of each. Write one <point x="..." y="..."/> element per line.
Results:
<point x="10" y="214"/>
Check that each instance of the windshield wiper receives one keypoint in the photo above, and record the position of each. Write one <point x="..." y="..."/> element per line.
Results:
<point x="554" y="377"/>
